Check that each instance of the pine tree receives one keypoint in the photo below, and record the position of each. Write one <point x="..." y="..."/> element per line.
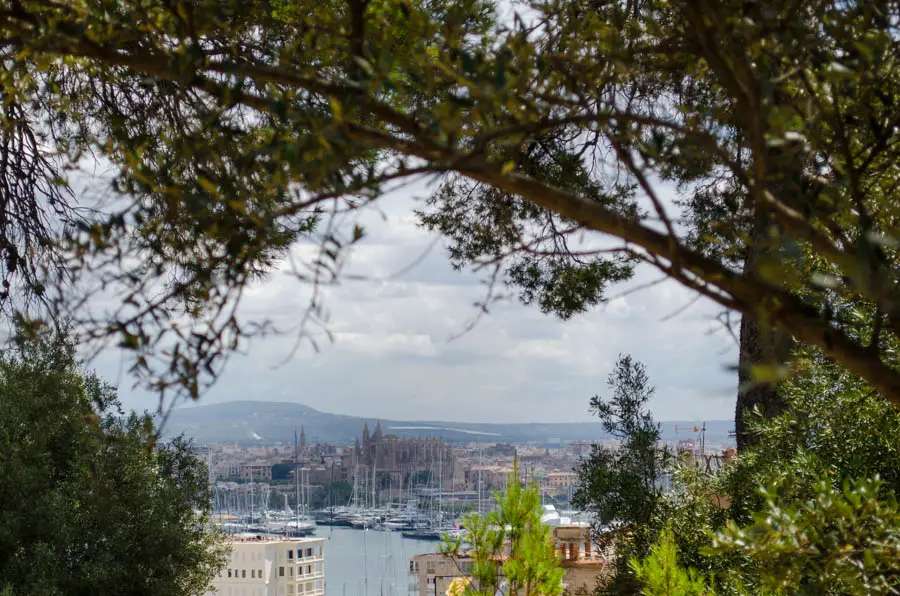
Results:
<point x="512" y="533"/>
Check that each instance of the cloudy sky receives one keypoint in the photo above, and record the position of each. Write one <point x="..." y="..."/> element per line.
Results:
<point x="398" y="351"/>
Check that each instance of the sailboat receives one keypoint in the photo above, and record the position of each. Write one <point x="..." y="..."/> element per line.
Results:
<point x="435" y="526"/>
<point x="302" y="525"/>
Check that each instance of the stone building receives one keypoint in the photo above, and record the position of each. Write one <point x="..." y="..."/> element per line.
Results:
<point x="256" y="471"/>
<point x="397" y="460"/>
<point x="486" y="478"/>
<point x="559" y="482"/>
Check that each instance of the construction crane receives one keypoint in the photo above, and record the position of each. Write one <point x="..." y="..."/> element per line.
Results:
<point x="701" y="430"/>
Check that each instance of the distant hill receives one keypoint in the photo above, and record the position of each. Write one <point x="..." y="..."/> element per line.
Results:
<point x="272" y="422"/>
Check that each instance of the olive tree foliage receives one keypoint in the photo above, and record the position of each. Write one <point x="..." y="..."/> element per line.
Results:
<point x="237" y="128"/>
<point x="811" y="508"/>
<point x="840" y="540"/>
<point x="36" y="204"/>
<point x="211" y="186"/>
<point x="836" y="427"/>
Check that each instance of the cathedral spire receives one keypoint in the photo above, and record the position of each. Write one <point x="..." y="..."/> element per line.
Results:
<point x="365" y="440"/>
<point x="378" y="430"/>
<point x="302" y="437"/>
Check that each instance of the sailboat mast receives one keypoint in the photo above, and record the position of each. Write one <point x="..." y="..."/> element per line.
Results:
<point x="441" y="484"/>
<point x="297" y="479"/>
<point x="374" y="468"/>
<point x="331" y="490"/>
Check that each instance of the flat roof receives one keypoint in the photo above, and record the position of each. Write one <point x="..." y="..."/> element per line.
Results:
<point x="264" y="539"/>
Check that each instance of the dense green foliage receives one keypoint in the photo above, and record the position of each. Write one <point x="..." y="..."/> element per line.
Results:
<point x="88" y="506"/>
<point x="838" y="429"/>
<point x="510" y="547"/>
<point x="810" y="509"/>
<point x="621" y="485"/>
<point x="840" y="541"/>
<point x="281" y="471"/>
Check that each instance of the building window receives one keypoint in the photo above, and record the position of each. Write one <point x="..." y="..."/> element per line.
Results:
<point x="253" y="573"/>
<point x="309" y="552"/>
<point x="290" y="554"/>
<point x="281" y="572"/>
<point x="309" y="568"/>
<point x="243" y="573"/>
<point x="299" y="553"/>
<point x="259" y="573"/>
<point x="291" y="571"/>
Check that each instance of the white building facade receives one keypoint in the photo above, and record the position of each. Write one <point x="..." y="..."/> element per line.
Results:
<point x="269" y="566"/>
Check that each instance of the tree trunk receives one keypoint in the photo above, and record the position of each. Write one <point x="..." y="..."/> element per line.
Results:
<point x="759" y="345"/>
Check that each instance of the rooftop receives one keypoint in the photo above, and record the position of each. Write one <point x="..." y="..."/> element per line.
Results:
<point x="262" y="539"/>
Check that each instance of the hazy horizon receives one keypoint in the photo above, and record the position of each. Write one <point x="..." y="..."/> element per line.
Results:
<point x="592" y="420"/>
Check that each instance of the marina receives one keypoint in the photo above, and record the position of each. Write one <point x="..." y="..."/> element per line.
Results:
<point x="398" y="499"/>
<point x="369" y="563"/>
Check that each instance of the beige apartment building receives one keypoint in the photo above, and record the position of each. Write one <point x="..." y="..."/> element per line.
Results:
<point x="559" y="479"/>
<point x="257" y="471"/>
<point x="264" y="566"/>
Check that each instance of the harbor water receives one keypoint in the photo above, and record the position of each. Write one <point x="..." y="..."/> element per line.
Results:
<point x="369" y="562"/>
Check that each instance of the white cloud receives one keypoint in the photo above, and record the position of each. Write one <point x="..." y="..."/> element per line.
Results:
<point x="392" y="356"/>
<point x="386" y="344"/>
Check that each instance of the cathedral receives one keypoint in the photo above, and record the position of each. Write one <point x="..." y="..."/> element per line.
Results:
<point x="400" y="458"/>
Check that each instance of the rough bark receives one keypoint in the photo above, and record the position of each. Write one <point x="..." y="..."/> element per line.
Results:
<point x="760" y="345"/>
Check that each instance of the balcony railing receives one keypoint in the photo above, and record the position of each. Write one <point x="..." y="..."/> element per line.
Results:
<point x="309" y="576"/>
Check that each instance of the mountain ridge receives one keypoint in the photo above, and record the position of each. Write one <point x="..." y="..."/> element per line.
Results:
<point x="247" y="421"/>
